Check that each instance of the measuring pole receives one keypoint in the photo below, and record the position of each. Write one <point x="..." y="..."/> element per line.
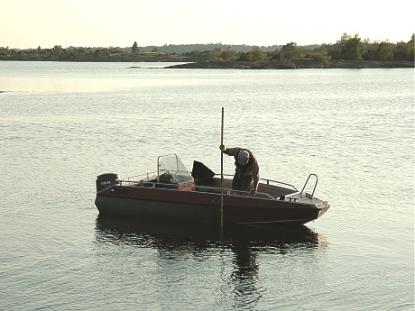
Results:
<point x="221" y="177"/>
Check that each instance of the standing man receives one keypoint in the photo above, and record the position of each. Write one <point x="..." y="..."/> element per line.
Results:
<point x="246" y="176"/>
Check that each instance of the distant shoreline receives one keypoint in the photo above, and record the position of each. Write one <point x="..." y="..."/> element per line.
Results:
<point x="300" y="64"/>
<point x="348" y="52"/>
<point x="296" y="65"/>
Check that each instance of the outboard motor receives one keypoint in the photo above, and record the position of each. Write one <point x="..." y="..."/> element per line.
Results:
<point x="107" y="180"/>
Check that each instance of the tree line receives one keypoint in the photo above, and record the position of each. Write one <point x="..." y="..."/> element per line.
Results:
<point x="349" y="48"/>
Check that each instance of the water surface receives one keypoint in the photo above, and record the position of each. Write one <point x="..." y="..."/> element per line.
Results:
<point x="62" y="124"/>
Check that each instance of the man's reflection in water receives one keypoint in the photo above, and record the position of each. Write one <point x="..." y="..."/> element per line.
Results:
<point x="183" y="248"/>
<point x="245" y="276"/>
<point x="247" y="245"/>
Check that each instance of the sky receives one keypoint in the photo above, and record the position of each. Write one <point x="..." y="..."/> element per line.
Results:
<point x="104" y="23"/>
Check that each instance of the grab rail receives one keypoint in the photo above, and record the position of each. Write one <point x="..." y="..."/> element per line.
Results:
<point x="315" y="185"/>
<point x="231" y="192"/>
<point x="267" y="180"/>
<point x="279" y="182"/>
<point x="145" y="175"/>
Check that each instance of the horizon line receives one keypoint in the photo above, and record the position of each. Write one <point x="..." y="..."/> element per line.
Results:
<point x="211" y="43"/>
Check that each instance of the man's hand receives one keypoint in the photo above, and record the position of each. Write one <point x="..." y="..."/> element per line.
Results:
<point x="222" y="147"/>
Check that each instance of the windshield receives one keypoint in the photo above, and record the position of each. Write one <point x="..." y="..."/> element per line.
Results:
<point x="172" y="167"/>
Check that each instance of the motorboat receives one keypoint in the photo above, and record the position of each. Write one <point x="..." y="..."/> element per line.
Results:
<point x="173" y="194"/>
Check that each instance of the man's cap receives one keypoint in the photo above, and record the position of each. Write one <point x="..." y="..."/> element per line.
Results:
<point x="243" y="157"/>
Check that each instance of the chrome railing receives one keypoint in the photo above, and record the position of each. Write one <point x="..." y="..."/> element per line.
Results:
<point x="315" y="186"/>
<point x="142" y="176"/>
<point x="232" y="192"/>
<point x="147" y="184"/>
<point x="268" y="181"/>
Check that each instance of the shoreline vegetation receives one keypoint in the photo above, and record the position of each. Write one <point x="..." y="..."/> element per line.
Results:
<point x="349" y="52"/>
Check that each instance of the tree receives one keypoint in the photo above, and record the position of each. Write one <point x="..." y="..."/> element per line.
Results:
<point x="370" y="51"/>
<point x="257" y="55"/>
<point x="291" y="51"/>
<point x="401" y="51"/>
<point x="215" y="54"/>
<point x="385" y="51"/>
<point x="4" y="51"/>
<point x="227" y="55"/>
<point x="321" y="57"/>
<point x="134" y="49"/>
<point x="351" y="47"/>
<point x="244" y="57"/>
<point x="411" y="48"/>
<point x="412" y="39"/>
<point x="58" y="52"/>
<point x="404" y="50"/>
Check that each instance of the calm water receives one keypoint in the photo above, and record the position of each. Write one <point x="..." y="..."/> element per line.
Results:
<point x="62" y="124"/>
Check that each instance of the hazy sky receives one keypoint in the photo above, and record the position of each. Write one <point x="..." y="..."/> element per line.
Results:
<point x="45" y="23"/>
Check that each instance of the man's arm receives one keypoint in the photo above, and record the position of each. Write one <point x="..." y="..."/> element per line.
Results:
<point x="232" y="151"/>
<point x="255" y="184"/>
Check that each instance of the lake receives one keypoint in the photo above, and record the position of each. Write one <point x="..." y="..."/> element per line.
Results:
<point x="62" y="124"/>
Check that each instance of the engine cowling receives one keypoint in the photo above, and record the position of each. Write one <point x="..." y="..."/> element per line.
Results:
<point x="107" y="180"/>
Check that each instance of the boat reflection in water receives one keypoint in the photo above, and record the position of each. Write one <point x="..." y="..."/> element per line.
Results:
<point x="193" y="250"/>
<point x="202" y="237"/>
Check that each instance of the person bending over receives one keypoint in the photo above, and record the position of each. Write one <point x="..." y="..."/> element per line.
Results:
<point x="246" y="176"/>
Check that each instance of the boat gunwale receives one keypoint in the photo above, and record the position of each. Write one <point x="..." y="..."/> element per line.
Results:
<point x="311" y="203"/>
